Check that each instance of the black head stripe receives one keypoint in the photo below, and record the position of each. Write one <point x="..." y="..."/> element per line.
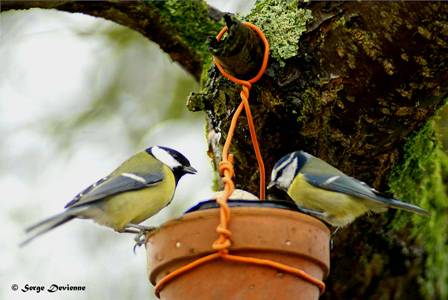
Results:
<point x="281" y="165"/>
<point x="178" y="170"/>
<point x="286" y="160"/>
<point x="178" y="156"/>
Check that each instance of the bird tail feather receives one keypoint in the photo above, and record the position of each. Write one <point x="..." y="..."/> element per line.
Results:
<point x="46" y="225"/>
<point x="407" y="207"/>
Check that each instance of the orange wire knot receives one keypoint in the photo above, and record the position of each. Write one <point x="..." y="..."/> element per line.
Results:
<point x="226" y="170"/>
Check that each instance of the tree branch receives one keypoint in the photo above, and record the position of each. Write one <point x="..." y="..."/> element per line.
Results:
<point x="180" y="29"/>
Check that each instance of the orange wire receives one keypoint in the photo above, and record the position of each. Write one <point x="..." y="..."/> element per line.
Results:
<point x="278" y="266"/>
<point x="182" y="270"/>
<point x="240" y="259"/>
<point x="226" y="170"/>
<point x="246" y="85"/>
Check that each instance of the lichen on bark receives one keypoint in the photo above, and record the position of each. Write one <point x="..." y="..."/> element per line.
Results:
<point x="283" y="22"/>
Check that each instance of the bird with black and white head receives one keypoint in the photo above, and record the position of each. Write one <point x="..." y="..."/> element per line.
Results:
<point x="327" y="193"/>
<point x="135" y="191"/>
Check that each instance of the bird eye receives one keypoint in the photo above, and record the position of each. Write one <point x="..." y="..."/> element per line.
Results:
<point x="279" y="174"/>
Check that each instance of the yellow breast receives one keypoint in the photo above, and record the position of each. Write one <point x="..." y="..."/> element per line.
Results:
<point x="340" y="209"/>
<point x="134" y="206"/>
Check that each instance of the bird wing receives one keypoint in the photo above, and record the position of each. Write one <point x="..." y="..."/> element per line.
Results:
<point x="111" y="185"/>
<point x="344" y="184"/>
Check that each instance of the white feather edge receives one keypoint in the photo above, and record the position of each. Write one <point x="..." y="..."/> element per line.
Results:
<point x="134" y="177"/>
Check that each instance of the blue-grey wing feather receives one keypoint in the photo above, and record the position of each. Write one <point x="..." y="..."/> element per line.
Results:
<point x="344" y="184"/>
<point x="109" y="186"/>
<point x="85" y="192"/>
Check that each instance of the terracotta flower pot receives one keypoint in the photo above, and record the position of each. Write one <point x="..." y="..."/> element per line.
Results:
<point x="280" y="235"/>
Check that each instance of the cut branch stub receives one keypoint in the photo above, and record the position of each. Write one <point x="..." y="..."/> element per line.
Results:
<point x="240" y="52"/>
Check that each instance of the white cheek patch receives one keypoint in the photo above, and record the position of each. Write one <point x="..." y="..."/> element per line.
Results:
<point x="288" y="174"/>
<point x="279" y="167"/>
<point x="165" y="157"/>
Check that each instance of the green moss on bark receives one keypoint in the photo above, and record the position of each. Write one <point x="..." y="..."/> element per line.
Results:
<point x="191" y="19"/>
<point x="421" y="179"/>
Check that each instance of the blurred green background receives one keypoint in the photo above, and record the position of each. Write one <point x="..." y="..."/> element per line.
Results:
<point x="78" y="95"/>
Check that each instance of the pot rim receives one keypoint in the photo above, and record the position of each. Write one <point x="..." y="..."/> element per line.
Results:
<point x="248" y="210"/>
<point x="211" y="203"/>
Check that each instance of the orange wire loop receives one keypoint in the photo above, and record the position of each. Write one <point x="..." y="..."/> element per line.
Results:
<point x="246" y="86"/>
<point x="226" y="170"/>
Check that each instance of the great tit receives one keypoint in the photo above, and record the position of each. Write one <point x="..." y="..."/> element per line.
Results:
<point x="138" y="189"/>
<point x="325" y="192"/>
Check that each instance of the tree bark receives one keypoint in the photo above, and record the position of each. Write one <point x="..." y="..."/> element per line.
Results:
<point x="366" y="77"/>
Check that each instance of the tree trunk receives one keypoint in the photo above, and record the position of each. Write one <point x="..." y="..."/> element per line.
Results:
<point x="353" y="83"/>
<point x="365" y="78"/>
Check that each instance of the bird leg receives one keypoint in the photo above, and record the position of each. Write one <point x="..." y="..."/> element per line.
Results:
<point x="139" y="227"/>
<point x="140" y="232"/>
<point x="131" y="230"/>
<point x="332" y="235"/>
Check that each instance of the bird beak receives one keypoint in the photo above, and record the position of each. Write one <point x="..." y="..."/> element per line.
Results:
<point x="271" y="184"/>
<point x="189" y="170"/>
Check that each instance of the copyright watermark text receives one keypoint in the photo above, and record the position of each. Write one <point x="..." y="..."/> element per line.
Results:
<point x="53" y="288"/>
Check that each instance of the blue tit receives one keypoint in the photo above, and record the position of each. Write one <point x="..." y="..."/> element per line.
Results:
<point x="325" y="192"/>
<point x="138" y="189"/>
